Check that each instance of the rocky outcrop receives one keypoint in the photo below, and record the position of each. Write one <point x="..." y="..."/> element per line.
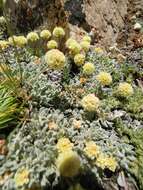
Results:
<point x="106" y="16"/>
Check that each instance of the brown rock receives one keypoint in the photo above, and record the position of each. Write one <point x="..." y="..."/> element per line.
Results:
<point x="106" y="16"/>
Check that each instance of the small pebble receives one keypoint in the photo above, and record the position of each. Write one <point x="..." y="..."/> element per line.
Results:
<point x="133" y="17"/>
<point x="137" y="27"/>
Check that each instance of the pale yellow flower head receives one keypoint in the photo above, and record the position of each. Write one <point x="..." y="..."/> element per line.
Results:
<point x="79" y="59"/>
<point x="64" y="145"/>
<point x="125" y="89"/>
<point x="111" y="164"/>
<point x="69" y="41"/>
<point x="104" y="161"/>
<point x="52" y="44"/>
<point x="73" y="46"/>
<point x="88" y="68"/>
<point x="104" y="78"/>
<point x="91" y="149"/>
<point x="87" y="39"/>
<point x="55" y="59"/>
<point x="32" y="37"/>
<point x="90" y="103"/>
<point x="68" y="163"/>
<point x="101" y="161"/>
<point x="20" y="41"/>
<point x="45" y="34"/>
<point x="21" y="177"/>
<point x="58" y="32"/>
<point x="4" y="44"/>
<point x="85" y="45"/>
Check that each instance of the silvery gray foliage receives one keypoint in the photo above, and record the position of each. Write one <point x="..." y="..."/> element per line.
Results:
<point x="44" y="91"/>
<point x="34" y="145"/>
<point x="43" y="84"/>
<point x="103" y="63"/>
<point x="131" y="123"/>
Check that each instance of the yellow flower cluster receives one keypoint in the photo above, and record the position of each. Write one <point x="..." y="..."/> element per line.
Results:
<point x="90" y="103"/>
<point x="87" y="39"/>
<point x="91" y="149"/>
<point x="79" y="59"/>
<point x="85" y="45"/>
<point x="19" y="41"/>
<point x="73" y="46"/>
<point x="3" y="44"/>
<point x="104" y="78"/>
<point x="104" y="161"/>
<point x="68" y="163"/>
<point x="32" y="37"/>
<point x="88" y="68"/>
<point x="52" y="44"/>
<point x="55" y="59"/>
<point x="69" y="41"/>
<point x="45" y="34"/>
<point x="125" y="89"/>
<point x="21" y="177"/>
<point x="58" y="32"/>
<point x="64" y="145"/>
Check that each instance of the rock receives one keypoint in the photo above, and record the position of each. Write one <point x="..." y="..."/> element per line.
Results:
<point x="137" y="27"/>
<point x="133" y="17"/>
<point x="30" y="14"/>
<point x="106" y="16"/>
